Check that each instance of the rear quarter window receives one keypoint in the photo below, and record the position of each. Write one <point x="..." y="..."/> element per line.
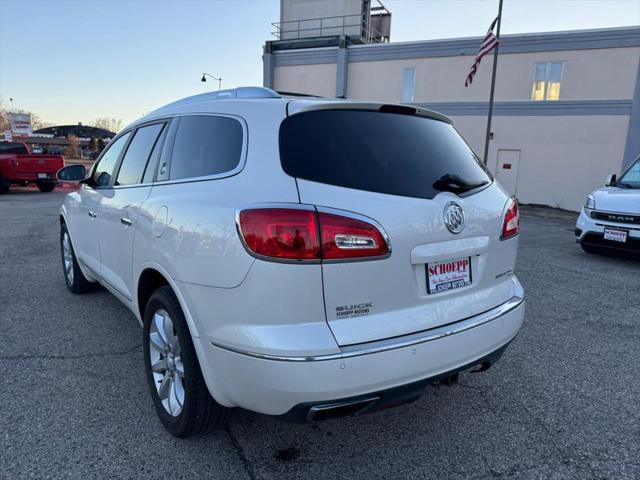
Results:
<point x="380" y="152"/>
<point x="206" y="145"/>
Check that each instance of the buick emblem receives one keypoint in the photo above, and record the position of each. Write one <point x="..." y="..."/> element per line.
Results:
<point x="453" y="217"/>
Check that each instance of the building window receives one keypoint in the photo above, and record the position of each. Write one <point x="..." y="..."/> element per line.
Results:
<point x="408" y="85"/>
<point x="547" y="77"/>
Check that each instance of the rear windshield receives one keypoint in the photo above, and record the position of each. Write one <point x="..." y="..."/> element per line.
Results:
<point x="13" y="148"/>
<point x="379" y="152"/>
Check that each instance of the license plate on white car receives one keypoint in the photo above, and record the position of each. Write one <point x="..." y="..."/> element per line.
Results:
<point x="449" y="275"/>
<point x="615" y="235"/>
<point x="43" y="175"/>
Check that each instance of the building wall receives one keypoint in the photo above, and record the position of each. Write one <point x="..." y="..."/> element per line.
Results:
<point x="562" y="158"/>
<point x="312" y="79"/>
<point x="307" y="11"/>
<point x="588" y="75"/>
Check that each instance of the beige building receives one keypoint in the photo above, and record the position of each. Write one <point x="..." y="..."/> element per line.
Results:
<point x="567" y="109"/>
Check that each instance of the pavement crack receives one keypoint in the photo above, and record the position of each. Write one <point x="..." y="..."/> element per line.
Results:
<point x="69" y="357"/>
<point x="240" y="451"/>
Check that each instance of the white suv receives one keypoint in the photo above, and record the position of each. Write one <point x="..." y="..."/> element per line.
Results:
<point x="307" y="258"/>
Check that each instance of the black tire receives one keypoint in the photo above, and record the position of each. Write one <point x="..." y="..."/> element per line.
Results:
<point x="4" y="185"/>
<point x="76" y="282"/>
<point x="200" y="413"/>
<point x="46" y="187"/>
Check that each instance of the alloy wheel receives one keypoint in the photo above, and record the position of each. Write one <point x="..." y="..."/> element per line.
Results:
<point x="166" y="362"/>
<point x="67" y="257"/>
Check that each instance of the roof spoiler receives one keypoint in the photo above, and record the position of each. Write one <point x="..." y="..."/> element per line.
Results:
<point x="299" y="106"/>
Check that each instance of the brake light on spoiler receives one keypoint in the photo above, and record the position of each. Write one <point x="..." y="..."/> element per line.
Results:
<point x="292" y="234"/>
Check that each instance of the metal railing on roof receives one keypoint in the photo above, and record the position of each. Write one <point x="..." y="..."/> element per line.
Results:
<point x="351" y="25"/>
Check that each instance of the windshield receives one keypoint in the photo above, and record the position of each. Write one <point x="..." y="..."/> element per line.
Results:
<point x="631" y="178"/>
<point x="380" y="152"/>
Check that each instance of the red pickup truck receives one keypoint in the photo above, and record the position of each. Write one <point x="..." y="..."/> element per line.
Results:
<point x="20" y="167"/>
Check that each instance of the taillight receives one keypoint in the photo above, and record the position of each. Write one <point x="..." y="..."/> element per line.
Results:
<point x="292" y="234"/>
<point x="511" y="223"/>
<point x="345" y="237"/>
<point x="281" y="233"/>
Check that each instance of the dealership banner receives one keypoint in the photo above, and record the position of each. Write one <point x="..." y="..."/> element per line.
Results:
<point x="20" y="124"/>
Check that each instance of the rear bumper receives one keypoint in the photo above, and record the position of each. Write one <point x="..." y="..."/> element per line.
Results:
<point x="391" y="371"/>
<point x="21" y="177"/>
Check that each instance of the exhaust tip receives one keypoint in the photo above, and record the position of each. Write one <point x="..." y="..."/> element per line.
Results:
<point x="343" y="409"/>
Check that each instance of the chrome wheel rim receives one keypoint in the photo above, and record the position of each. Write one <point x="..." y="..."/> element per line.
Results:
<point x="67" y="258"/>
<point x="166" y="362"/>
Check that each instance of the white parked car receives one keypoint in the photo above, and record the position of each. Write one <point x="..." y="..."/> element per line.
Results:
<point x="306" y="258"/>
<point x="610" y="218"/>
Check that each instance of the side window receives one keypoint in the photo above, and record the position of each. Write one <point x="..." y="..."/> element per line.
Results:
<point x="137" y="156"/>
<point x="206" y="145"/>
<point x="152" y="164"/>
<point x="104" y="169"/>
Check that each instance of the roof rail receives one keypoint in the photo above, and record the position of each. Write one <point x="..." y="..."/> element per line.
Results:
<point x="230" y="94"/>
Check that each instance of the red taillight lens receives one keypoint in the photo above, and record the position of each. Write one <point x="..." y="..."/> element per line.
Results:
<point x="293" y="234"/>
<point x="281" y="233"/>
<point x="511" y="223"/>
<point x="345" y="237"/>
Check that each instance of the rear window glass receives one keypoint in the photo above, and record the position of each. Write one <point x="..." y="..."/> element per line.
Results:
<point x="206" y="145"/>
<point x="13" y="148"/>
<point x="388" y="153"/>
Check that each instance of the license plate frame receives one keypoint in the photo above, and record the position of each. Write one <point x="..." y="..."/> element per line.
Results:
<point x="439" y="280"/>
<point x="616" y="235"/>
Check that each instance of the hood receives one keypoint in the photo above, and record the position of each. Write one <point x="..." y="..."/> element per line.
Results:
<point x="617" y="199"/>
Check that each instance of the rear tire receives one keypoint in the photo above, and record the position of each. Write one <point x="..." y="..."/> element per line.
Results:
<point x="73" y="276"/>
<point x="46" y="187"/>
<point x="178" y="390"/>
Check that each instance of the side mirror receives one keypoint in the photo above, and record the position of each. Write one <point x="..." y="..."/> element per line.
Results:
<point x="72" y="173"/>
<point x="611" y="180"/>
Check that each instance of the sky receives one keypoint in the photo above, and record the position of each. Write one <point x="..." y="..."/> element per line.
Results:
<point x="77" y="60"/>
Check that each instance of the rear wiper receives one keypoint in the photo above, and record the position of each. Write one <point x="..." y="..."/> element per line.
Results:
<point x="456" y="184"/>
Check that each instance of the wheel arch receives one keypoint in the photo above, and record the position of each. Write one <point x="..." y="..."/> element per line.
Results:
<point x="151" y="277"/>
<point x="151" y="272"/>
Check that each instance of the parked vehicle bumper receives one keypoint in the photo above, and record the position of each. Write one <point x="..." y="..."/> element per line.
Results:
<point x="21" y="177"/>
<point x="279" y="385"/>
<point x="590" y="232"/>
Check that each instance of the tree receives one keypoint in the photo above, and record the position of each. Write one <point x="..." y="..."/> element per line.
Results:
<point x="108" y="123"/>
<point x="4" y="119"/>
<point x="72" y="150"/>
<point x="37" y="124"/>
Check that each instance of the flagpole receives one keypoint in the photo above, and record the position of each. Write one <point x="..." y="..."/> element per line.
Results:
<point x="493" y="85"/>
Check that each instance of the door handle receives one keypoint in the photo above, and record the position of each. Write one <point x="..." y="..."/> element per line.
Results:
<point x="92" y="214"/>
<point x="126" y="221"/>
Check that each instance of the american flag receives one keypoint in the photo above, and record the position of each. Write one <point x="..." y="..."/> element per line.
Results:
<point x="489" y="43"/>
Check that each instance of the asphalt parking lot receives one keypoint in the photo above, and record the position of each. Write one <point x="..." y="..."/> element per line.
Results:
<point x="562" y="403"/>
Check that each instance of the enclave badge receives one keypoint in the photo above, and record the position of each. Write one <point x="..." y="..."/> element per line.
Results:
<point x="453" y="217"/>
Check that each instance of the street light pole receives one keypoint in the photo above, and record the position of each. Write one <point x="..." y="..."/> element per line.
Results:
<point x="204" y="79"/>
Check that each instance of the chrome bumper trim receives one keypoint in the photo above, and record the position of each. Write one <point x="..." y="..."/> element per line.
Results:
<point x="396" y="342"/>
